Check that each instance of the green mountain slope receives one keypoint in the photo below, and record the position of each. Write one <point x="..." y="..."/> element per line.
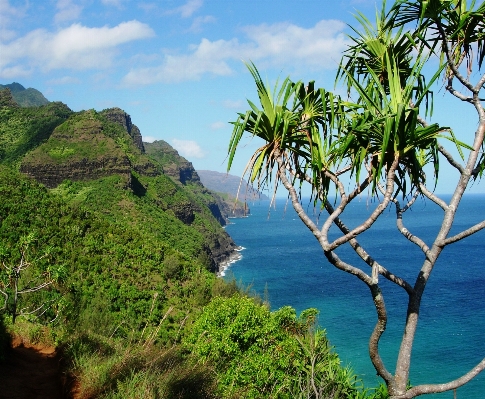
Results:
<point x="180" y="170"/>
<point x="130" y="241"/>
<point x="25" y="97"/>
<point x="123" y="228"/>
<point x="22" y="129"/>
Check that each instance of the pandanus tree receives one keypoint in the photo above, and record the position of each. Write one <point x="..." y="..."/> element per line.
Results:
<point x="379" y="138"/>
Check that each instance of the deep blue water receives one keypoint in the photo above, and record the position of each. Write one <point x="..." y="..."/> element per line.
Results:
<point x="282" y="255"/>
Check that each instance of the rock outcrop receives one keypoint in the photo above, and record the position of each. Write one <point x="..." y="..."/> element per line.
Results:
<point x="117" y="115"/>
<point x="52" y="174"/>
<point x="77" y="150"/>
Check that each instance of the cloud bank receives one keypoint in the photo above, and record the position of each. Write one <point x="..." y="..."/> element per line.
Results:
<point x="76" y="47"/>
<point x="318" y="47"/>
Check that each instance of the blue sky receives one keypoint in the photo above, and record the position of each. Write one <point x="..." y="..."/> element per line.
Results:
<point x="176" y="65"/>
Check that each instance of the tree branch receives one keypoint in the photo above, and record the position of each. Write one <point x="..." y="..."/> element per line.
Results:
<point x="449" y="87"/>
<point x="380" y="306"/>
<point x="465" y="233"/>
<point x="449" y="57"/>
<point x="367" y="258"/>
<point x="363" y="254"/>
<point x="480" y="84"/>
<point x="450" y="159"/>
<point x="34" y="289"/>
<point x="437" y="388"/>
<point x="405" y="232"/>
<point x="428" y="194"/>
<point x="443" y="150"/>
<point x="294" y="196"/>
<point x="369" y="221"/>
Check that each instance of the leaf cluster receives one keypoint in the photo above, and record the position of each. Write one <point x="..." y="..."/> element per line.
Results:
<point x="261" y="354"/>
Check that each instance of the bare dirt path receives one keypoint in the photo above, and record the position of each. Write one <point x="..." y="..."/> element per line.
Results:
<point x="31" y="372"/>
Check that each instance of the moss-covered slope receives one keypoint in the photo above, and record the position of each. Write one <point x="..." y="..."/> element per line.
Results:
<point x="25" y="97"/>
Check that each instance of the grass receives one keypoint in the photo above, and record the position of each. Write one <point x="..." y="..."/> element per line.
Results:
<point x="106" y="367"/>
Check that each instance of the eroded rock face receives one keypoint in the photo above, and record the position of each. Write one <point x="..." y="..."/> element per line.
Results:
<point x="51" y="175"/>
<point x="117" y="115"/>
<point x="184" y="211"/>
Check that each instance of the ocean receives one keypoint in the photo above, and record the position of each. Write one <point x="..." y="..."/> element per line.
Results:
<point x="280" y="256"/>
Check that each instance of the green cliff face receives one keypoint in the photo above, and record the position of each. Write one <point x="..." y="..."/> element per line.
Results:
<point x="222" y="204"/>
<point x="123" y="227"/>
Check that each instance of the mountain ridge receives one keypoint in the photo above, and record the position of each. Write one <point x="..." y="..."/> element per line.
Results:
<point x="25" y="97"/>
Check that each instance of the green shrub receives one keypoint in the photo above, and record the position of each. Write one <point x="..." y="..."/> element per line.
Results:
<point x="263" y="354"/>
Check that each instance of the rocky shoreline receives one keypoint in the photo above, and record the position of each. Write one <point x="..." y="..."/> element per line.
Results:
<point x="232" y="258"/>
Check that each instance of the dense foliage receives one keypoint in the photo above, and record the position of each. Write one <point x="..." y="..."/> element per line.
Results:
<point x="263" y="354"/>
<point x="22" y="129"/>
<point x="125" y="253"/>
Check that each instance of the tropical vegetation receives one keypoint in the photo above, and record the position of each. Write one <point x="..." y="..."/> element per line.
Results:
<point x="113" y="258"/>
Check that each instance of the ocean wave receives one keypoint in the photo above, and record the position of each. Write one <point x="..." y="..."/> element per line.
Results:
<point x="233" y="258"/>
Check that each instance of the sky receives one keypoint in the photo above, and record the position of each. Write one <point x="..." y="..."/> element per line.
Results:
<point x="177" y="66"/>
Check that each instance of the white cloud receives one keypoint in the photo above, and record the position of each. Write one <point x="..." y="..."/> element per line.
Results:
<point x="279" y="45"/>
<point x="116" y="3"/>
<point x="177" y="68"/>
<point x="218" y="125"/>
<point x="188" y="148"/>
<point x="67" y="11"/>
<point x="15" y="72"/>
<point x="76" y="47"/>
<point x="149" y="139"/>
<point x="187" y="9"/>
<point x="200" y="21"/>
<point x="64" y="80"/>
<point x="284" y="43"/>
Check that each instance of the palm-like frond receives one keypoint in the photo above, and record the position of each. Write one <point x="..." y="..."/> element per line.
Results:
<point x="388" y="125"/>
<point x="295" y="122"/>
<point x="373" y="47"/>
<point x="462" y="23"/>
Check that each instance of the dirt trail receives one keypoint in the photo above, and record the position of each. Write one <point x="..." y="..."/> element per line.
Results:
<point x="30" y="372"/>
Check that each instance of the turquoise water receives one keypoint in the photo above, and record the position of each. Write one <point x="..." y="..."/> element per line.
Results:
<point x="283" y="256"/>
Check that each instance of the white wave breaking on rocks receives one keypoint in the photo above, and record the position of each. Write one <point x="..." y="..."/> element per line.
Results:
<point x="233" y="258"/>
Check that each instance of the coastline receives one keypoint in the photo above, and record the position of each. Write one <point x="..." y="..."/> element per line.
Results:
<point x="233" y="258"/>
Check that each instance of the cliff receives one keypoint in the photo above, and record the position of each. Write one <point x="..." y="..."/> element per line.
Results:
<point x="79" y="149"/>
<point x="101" y="152"/>
<point x="183" y="172"/>
<point x="121" y="118"/>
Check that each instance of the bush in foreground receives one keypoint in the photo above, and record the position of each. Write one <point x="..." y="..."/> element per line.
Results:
<point x="262" y="354"/>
